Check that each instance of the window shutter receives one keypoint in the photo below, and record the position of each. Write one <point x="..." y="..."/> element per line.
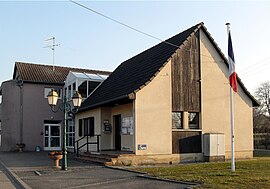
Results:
<point x="80" y="127"/>
<point x="92" y="126"/>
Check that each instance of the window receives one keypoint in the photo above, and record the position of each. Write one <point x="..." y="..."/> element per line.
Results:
<point x="69" y="92"/>
<point x="47" y="90"/>
<point x="193" y="120"/>
<point x="89" y="126"/>
<point x="177" y="120"/>
<point x="73" y="88"/>
<point x="92" y="85"/>
<point x="83" y="89"/>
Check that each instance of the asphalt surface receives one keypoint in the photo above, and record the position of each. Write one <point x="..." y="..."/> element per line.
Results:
<point x="5" y="180"/>
<point x="35" y="170"/>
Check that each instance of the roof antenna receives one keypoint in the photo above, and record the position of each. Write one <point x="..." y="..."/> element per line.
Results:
<point x="52" y="47"/>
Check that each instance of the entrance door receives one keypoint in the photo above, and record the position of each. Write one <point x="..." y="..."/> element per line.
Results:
<point x="117" y="132"/>
<point x="52" y="137"/>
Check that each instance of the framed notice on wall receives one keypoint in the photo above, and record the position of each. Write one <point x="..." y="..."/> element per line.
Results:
<point x="127" y="125"/>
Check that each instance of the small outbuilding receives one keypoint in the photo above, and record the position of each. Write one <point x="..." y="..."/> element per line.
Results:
<point x="168" y="104"/>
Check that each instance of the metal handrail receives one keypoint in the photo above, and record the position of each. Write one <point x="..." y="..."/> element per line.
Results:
<point x="76" y="142"/>
<point x="86" y="143"/>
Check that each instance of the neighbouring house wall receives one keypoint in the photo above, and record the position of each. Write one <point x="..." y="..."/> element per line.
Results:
<point x="215" y="97"/>
<point x="96" y="113"/>
<point x="30" y="121"/>
<point x="10" y="115"/>
<point x="35" y="111"/>
<point x="1" y="115"/>
<point x="126" y="110"/>
<point x="153" y="120"/>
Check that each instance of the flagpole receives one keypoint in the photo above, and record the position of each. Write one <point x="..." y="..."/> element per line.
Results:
<point x="232" y="116"/>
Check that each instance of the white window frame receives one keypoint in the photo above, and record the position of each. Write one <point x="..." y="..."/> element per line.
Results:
<point x="48" y="89"/>
<point x="72" y="133"/>
<point x="49" y="136"/>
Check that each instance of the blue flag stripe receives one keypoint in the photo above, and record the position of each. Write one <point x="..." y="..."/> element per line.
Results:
<point x="230" y="48"/>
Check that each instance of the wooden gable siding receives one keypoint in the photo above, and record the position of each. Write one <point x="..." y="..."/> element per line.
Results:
<point x="186" y="77"/>
<point x="186" y="142"/>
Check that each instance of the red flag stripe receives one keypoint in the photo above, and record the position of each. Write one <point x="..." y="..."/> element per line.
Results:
<point x="233" y="81"/>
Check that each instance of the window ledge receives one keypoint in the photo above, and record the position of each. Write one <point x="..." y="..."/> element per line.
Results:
<point x="186" y="129"/>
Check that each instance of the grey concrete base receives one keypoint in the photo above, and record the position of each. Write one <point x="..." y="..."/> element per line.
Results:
<point x="214" y="158"/>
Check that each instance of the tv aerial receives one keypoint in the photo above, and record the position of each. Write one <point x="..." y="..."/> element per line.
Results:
<point x="52" y="46"/>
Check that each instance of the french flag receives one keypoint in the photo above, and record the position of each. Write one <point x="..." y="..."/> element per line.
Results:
<point x="233" y="77"/>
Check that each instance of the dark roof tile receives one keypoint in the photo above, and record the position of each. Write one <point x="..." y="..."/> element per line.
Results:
<point x="136" y="71"/>
<point x="38" y="73"/>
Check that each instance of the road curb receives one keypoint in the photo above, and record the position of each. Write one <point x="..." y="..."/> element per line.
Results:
<point x="14" y="179"/>
<point x="146" y="176"/>
<point x="168" y="180"/>
<point x="123" y="169"/>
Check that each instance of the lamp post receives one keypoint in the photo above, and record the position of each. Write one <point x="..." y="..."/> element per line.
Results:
<point x="66" y="108"/>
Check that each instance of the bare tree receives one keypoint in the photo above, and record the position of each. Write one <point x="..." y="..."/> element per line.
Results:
<point x="261" y="119"/>
<point x="262" y="94"/>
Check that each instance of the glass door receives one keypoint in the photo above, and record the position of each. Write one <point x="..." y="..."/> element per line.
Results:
<point x="52" y="137"/>
<point x="70" y="133"/>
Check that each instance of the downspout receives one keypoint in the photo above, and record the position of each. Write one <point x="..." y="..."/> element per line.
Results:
<point x="200" y="88"/>
<point x="200" y="69"/>
<point x="132" y="96"/>
<point x="134" y="128"/>
<point x="20" y="84"/>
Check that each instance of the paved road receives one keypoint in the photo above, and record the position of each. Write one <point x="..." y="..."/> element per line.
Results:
<point x="5" y="182"/>
<point x="34" y="170"/>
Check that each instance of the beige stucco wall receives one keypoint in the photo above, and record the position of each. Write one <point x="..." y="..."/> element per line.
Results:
<point x="126" y="110"/>
<point x="106" y="142"/>
<point x="153" y="107"/>
<point x="96" y="113"/>
<point x="107" y="139"/>
<point x="215" y="96"/>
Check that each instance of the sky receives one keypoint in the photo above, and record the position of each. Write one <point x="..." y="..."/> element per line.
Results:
<point x="88" y="40"/>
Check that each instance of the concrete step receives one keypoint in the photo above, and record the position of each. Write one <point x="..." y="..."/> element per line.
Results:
<point x="102" y="155"/>
<point x="91" y="160"/>
<point x="97" y="157"/>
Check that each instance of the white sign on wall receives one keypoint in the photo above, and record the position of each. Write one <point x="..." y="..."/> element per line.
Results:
<point x="127" y="125"/>
<point x="142" y="146"/>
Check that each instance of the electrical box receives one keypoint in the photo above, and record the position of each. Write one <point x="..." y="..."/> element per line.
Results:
<point x="107" y="127"/>
<point x="214" y="146"/>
